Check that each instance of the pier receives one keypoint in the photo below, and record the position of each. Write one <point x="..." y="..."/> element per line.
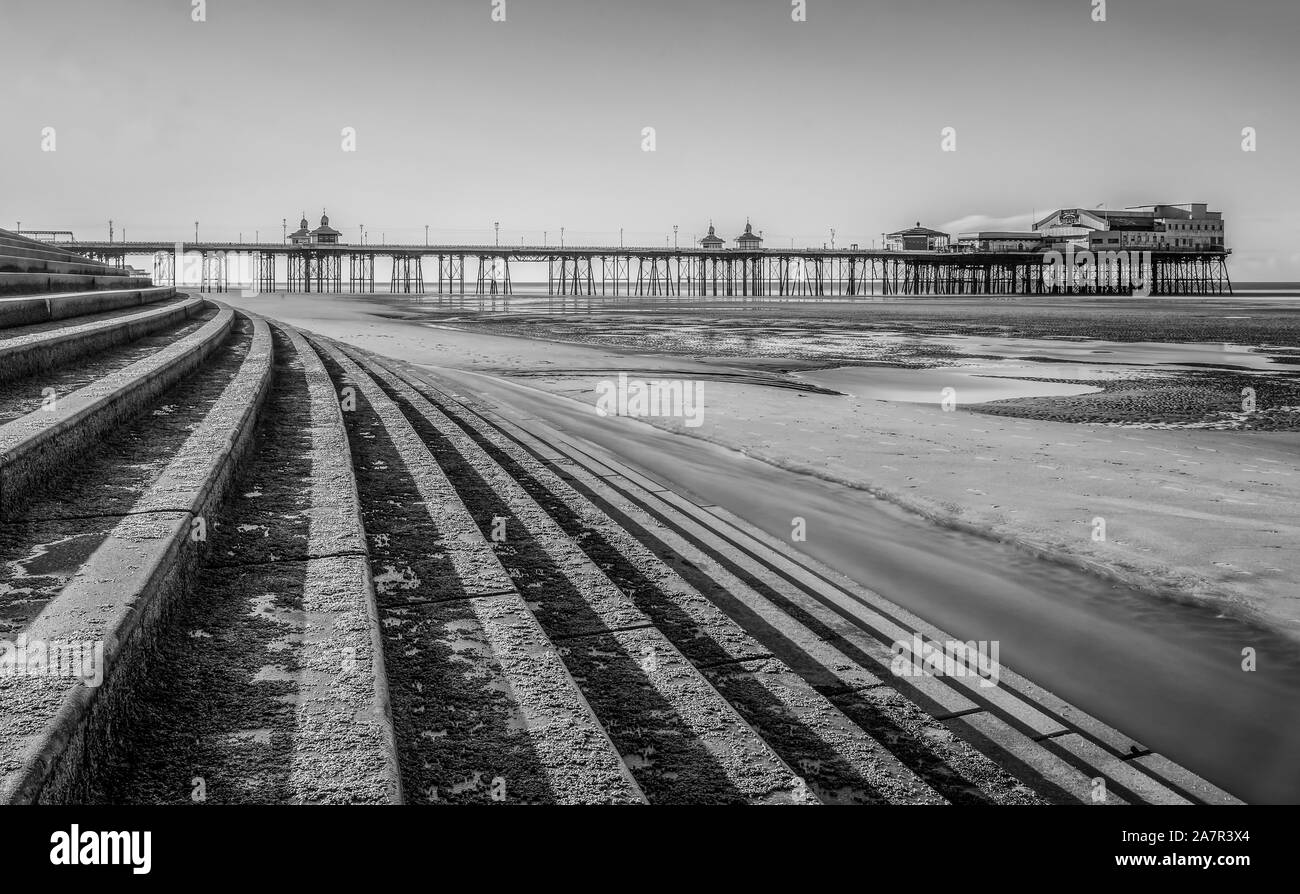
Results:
<point x="604" y="271"/>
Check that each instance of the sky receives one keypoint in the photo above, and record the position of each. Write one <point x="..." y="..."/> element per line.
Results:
<point x="536" y="122"/>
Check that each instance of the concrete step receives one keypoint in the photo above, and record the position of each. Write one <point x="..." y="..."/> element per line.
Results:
<point x="55" y="729"/>
<point x="17" y="260"/>
<point x="28" y="353"/>
<point x="302" y="717"/>
<point x="17" y="246"/>
<point x="43" y="389"/>
<point x="31" y="309"/>
<point x="479" y="692"/>
<point x="34" y="447"/>
<point x="838" y="761"/>
<point x="20" y="239"/>
<point x="18" y="284"/>
<point x="684" y="742"/>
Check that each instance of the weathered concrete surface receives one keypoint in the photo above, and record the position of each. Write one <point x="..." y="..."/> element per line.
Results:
<point x="842" y="762"/>
<point x="552" y="743"/>
<point x="16" y="260"/>
<point x="30" y="353"/>
<point x="121" y="593"/>
<point x="29" y="283"/>
<point x="105" y="293"/>
<point x="22" y="396"/>
<point x="264" y="682"/>
<point x="684" y="742"/>
<point x="22" y="254"/>
<point x="62" y="523"/>
<point x="32" y="446"/>
<point x="576" y="602"/>
<point x="343" y="716"/>
<point x="835" y="757"/>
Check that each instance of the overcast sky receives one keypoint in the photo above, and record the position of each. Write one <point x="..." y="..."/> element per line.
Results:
<point x="537" y="122"/>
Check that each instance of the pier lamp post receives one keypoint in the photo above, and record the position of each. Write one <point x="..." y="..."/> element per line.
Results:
<point x="110" y="231"/>
<point x="426" y="234"/>
<point x="496" y="227"/>
<point x="284" y="230"/>
<point x="674" y="237"/>
<point x="561" y="237"/>
<point x="620" y="237"/>
<point x="196" y="231"/>
<point x="832" y="238"/>
<point x="543" y="238"/>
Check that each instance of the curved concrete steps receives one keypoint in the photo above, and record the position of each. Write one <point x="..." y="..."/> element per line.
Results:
<point x="836" y="761"/>
<point x="276" y="630"/>
<point x="17" y="244"/>
<point x="19" y="259"/>
<point x="20" y="256"/>
<point x="543" y="738"/>
<point x="40" y="389"/>
<point x="124" y="587"/>
<point x="24" y="353"/>
<point x="32" y="447"/>
<point x="26" y="309"/>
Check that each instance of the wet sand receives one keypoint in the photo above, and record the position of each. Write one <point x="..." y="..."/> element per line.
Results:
<point x="969" y="385"/>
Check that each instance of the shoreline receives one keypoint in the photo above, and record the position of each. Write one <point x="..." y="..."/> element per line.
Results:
<point x="1174" y="588"/>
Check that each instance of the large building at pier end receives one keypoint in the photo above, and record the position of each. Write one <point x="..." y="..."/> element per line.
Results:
<point x="1187" y="227"/>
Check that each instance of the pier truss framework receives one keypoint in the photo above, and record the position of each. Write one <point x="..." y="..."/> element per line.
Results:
<point x="645" y="272"/>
